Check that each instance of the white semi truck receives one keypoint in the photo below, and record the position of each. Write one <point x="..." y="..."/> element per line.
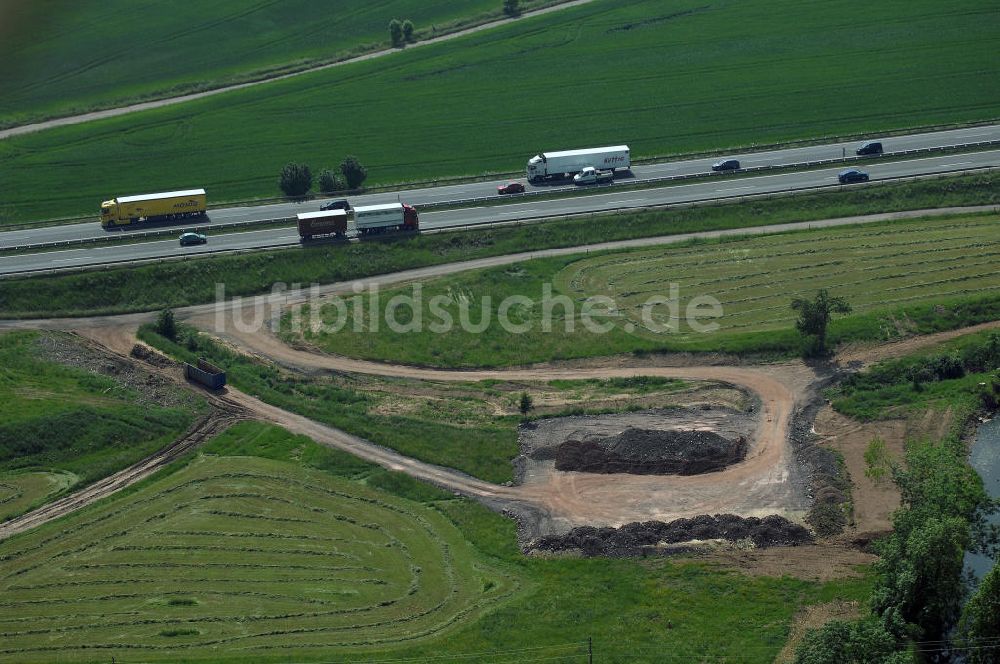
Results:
<point x="569" y="162"/>
<point x="387" y="217"/>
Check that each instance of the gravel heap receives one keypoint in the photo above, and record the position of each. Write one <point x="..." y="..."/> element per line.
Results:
<point x="634" y="539"/>
<point x="652" y="452"/>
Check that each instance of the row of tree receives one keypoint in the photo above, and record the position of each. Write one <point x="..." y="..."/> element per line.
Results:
<point x="297" y="179"/>
<point x="400" y="32"/>
<point x="920" y="590"/>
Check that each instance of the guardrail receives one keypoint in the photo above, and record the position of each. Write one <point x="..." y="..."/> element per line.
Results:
<point x="537" y="218"/>
<point x="642" y="182"/>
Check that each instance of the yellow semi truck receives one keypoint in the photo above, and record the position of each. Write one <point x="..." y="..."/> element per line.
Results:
<point x="128" y="210"/>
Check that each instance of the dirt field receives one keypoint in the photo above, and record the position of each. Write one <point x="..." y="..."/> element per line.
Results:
<point x="768" y="482"/>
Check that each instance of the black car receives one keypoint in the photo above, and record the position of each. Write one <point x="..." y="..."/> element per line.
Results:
<point x="190" y="238"/>
<point x="852" y="175"/>
<point x="726" y="165"/>
<point x="869" y="148"/>
<point x="340" y="204"/>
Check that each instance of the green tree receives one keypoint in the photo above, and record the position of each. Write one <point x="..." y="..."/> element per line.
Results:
<point x="920" y="587"/>
<point x="512" y="8"/>
<point x="354" y="172"/>
<point x="920" y="577"/>
<point x="330" y="181"/>
<point x="979" y="629"/>
<point x="396" y="32"/>
<point x="840" y="642"/>
<point x="296" y="180"/>
<point x="814" y="317"/>
<point x="165" y="325"/>
<point x="408" y="30"/>
<point x="526" y="404"/>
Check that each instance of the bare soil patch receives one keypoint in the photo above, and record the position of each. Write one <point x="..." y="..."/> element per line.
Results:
<point x="873" y="502"/>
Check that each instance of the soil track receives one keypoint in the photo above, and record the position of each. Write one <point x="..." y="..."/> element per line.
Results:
<point x="212" y="424"/>
<point x="765" y="483"/>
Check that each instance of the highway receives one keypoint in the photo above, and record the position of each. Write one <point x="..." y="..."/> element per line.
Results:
<point x="607" y="199"/>
<point x="426" y="195"/>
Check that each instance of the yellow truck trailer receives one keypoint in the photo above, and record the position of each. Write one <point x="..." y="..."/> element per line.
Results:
<point x="127" y="210"/>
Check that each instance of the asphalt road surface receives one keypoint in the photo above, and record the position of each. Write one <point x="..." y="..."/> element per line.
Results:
<point x="607" y="199"/>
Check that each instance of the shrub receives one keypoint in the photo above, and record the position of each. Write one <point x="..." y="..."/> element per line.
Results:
<point x="296" y="180"/>
<point x="354" y="172"/>
<point x="395" y="32"/>
<point x="165" y="325"/>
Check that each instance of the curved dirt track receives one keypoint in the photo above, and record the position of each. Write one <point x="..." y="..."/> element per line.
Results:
<point x="766" y="483"/>
<point x="763" y="484"/>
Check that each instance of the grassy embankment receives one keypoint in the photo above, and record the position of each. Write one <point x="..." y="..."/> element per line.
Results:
<point x="959" y="376"/>
<point x="920" y="583"/>
<point x="63" y="426"/>
<point x="690" y="77"/>
<point x="192" y="281"/>
<point x="269" y="547"/>
<point x="85" y="57"/>
<point x="468" y="426"/>
<point x="900" y="277"/>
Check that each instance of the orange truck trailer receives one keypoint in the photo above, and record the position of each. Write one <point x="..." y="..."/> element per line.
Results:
<point x="168" y="206"/>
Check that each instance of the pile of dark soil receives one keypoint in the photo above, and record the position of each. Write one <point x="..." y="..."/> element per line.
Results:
<point x="636" y="539"/>
<point x="652" y="452"/>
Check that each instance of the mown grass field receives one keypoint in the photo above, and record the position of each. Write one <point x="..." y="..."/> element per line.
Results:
<point x="267" y="547"/>
<point x="192" y="281"/>
<point x="244" y="556"/>
<point x="663" y="79"/>
<point x="57" y="57"/>
<point x="891" y="273"/>
<point x="68" y="425"/>
<point x="19" y="492"/>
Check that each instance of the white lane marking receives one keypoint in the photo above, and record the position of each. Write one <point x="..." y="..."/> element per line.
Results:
<point x="734" y="189"/>
<point x="67" y="260"/>
<point x="961" y="163"/>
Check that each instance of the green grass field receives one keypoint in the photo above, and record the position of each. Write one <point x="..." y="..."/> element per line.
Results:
<point x="665" y="80"/>
<point x="19" y="492"/>
<point x="57" y="58"/>
<point x="244" y="556"/>
<point x="192" y="281"/>
<point x="267" y="547"/>
<point x="881" y="269"/>
<point x="72" y="425"/>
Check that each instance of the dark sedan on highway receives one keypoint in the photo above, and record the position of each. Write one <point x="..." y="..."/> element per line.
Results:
<point x="852" y="175"/>
<point x="726" y="165"/>
<point x="190" y="239"/>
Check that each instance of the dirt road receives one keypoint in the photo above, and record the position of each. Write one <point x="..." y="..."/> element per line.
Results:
<point x="169" y="101"/>
<point x="207" y="427"/>
<point x="763" y="484"/>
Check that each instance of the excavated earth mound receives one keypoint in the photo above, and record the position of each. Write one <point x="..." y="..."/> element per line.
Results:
<point x="652" y="452"/>
<point x="635" y="539"/>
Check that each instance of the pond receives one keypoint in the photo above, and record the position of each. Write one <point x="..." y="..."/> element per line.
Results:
<point x="985" y="458"/>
